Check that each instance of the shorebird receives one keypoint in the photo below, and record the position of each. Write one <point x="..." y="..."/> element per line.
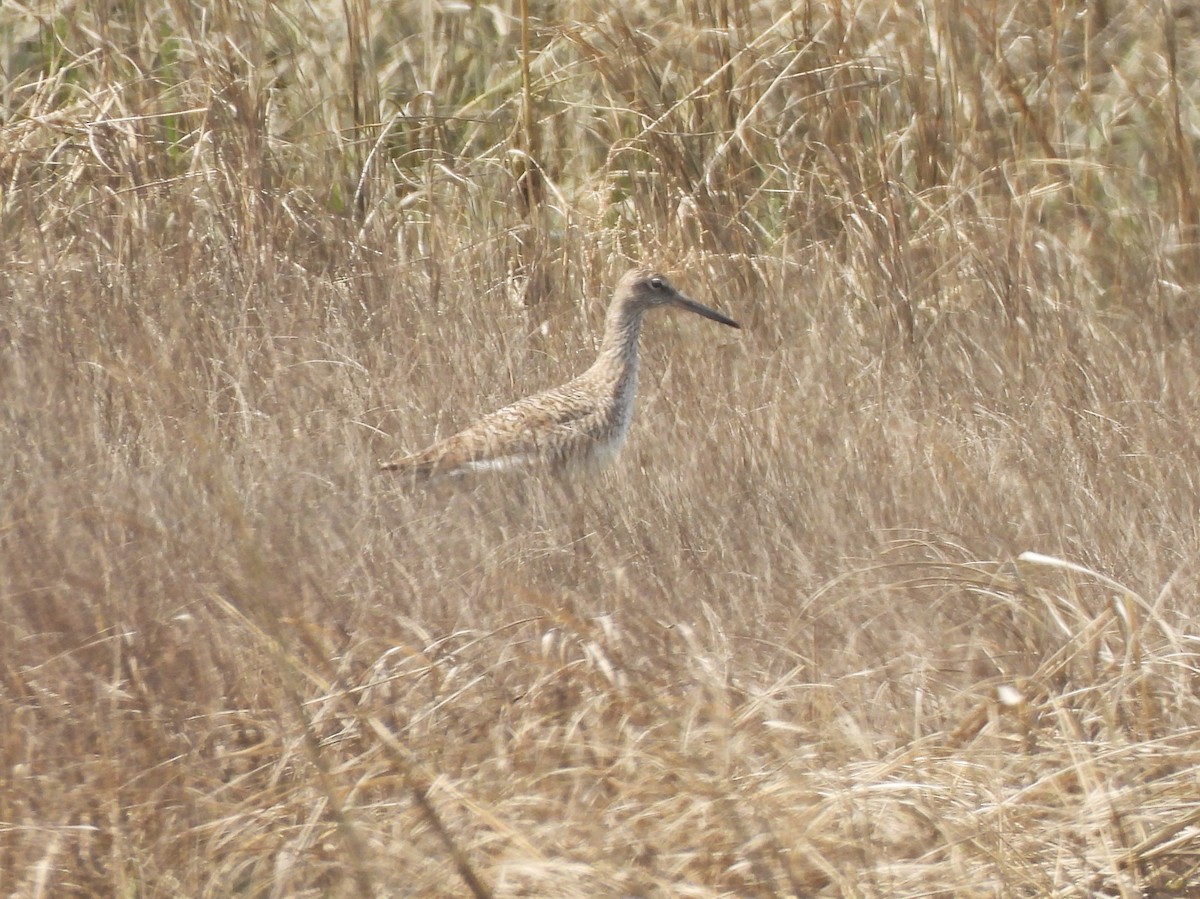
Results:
<point x="583" y="422"/>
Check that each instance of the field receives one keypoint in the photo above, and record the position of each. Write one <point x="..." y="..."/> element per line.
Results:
<point x="892" y="593"/>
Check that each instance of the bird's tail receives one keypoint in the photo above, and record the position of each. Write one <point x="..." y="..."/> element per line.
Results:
<point x="424" y="466"/>
<point x="409" y="465"/>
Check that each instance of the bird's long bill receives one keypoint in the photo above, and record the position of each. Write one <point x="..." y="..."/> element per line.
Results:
<point x="701" y="309"/>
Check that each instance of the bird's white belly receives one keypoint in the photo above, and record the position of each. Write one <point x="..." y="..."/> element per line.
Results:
<point x="501" y="463"/>
<point x="604" y="451"/>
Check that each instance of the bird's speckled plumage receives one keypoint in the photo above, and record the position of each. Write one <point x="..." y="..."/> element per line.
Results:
<point x="582" y="422"/>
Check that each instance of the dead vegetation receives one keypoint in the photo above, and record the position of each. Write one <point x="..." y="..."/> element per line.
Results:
<point x="891" y="595"/>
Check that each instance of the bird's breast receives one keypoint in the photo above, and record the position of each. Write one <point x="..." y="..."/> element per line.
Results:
<point x="607" y="447"/>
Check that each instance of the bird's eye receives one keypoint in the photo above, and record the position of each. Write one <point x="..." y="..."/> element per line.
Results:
<point x="656" y="283"/>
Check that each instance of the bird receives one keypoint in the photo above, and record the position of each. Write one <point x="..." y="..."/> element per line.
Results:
<point x="582" y="423"/>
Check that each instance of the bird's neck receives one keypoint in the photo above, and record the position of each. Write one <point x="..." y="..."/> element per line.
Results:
<point x="615" y="368"/>
<point x="619" y="347"/>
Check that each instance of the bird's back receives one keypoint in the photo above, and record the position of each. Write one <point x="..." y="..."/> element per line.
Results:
<point x="570" y="424"/>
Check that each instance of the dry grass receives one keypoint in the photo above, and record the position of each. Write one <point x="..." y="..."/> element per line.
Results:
<point x="788" y="644"/>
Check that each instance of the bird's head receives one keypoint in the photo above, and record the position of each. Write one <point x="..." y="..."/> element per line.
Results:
<point x="642" y="289"/>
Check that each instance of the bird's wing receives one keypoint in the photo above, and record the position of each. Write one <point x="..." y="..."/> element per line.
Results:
<point x="544" y="426"/>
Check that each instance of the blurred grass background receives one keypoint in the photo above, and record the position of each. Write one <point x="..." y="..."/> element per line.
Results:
<point x="788" y="644"/>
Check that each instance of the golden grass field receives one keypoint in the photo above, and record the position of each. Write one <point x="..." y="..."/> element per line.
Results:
<point x="891" y="594"/>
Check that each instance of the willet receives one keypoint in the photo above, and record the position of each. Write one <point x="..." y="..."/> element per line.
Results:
<point x="583" y="422"/>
